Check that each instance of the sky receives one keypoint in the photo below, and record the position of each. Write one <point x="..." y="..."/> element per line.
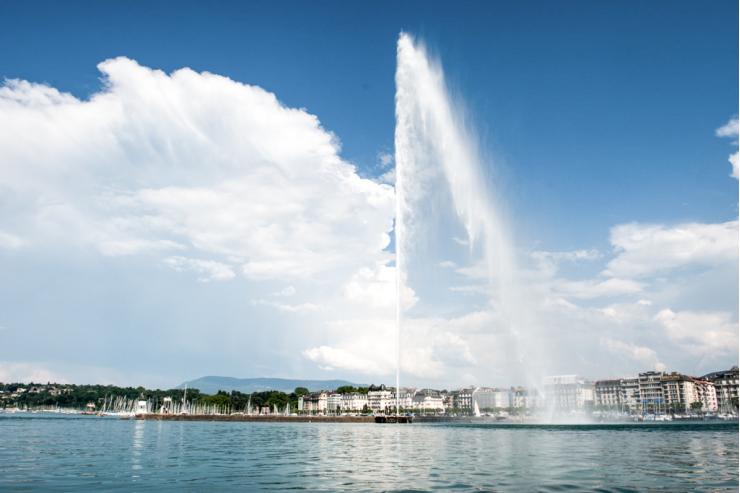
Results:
<point x="191" y="189"/>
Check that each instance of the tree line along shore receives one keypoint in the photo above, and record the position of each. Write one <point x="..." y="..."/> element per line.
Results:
<point x="97" y="397"/>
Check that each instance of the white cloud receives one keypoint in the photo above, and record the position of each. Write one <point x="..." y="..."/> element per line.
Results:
<point x="548" y="263"/>
<point x="10" y="241"/>
<point x="376" y="287"/>
<point x="642" y="250"/>
<point x="285" y="292"/>
<point x="286" y="307"/>
<point x="208" y="270"/>
<point x="389" y="177"/>
<point x="330" y="358"/>
<point x="709" y="334"/>
<point x="571" y="256"/>
<point x="641" y="354"/>
<point x="730" y="129"/>
<point x="590" y="289"/>
<point x="188" y="162"/>
<point x="431" y="347"/>
<point x="385" y="159"/>
<point x="23" y="372"/>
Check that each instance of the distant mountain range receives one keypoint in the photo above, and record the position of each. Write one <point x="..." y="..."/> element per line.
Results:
<point x="212" y="384"/>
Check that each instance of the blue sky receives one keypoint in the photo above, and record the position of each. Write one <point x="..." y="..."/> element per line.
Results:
<point x="590" y="115"/>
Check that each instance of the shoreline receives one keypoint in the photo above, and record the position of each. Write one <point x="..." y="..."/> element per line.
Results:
<point x="256" y="418"/>
<point x="417" y="419"/>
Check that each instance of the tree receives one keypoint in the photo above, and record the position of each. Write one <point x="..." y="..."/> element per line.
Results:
<point x="696" y="406"/>
<point x="299" y="391"/>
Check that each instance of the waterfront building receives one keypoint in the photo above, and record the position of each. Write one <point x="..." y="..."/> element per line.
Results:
<point x="661" y="392"/>
<point x="142" y="407"/>
<point x="522" y="398"/>
<point x="678" y="392"/>
<point x="405" y="398"/>
<point x="381" y="401"/>
<point x="334" y="403"/>
<point x="631" y="393"/>
<point x="463" y="399"/>
<point x="568" y="392"/>
<point x="354" y="402"/>
<point x="705" y="392"/>
<point x="651" y="390"/>
<point x="446" y="399"/>
<point x="622" y="394"/>
<point x="726" y="388"/>
<point x="428" y="400"/>
<point x="313" y="403"/>
<point x="609" y="394"/>
<point x="492" y="398"/>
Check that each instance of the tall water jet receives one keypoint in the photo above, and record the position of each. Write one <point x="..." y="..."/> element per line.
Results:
<point x="433" y="150"/>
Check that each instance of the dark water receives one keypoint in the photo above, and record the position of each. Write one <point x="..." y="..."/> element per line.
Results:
<point x="63" y="453"/>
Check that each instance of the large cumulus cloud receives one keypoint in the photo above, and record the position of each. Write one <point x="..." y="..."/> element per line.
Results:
<point x="185" y="164"/>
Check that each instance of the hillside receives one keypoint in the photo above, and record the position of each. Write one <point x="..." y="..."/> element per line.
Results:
<point x="212" y="384"/>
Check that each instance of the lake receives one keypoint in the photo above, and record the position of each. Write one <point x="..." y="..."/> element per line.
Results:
<point x="52" y="452"/>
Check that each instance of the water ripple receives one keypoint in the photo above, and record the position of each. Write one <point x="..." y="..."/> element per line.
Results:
<point x="74" y="453"/>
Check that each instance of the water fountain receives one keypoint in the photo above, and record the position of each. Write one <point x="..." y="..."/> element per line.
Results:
<point x="433" y="146"/>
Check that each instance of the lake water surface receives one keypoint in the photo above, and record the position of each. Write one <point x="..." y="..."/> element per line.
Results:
<point x="86" y="453"/>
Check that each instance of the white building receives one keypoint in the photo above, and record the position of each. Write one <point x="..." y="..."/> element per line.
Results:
<point x="463" y="399"/>
<point x="608" y="394"/>
<point x="651" y="390"/>
<point x="492" y="398"/>
<point x="313" y="403"/>
<point x="568" y="392"/>
<point x="631" y="392"/>
<point x="522" y="398"/>
<point x="726" y="388"/>
<point x="381" y="401"/>
<point x="617" y="394"/>
<point x="354" y="402"/>
<point x="334" y="403"/>
<point x="704" y="392"/>
<point x="428" y="400"/>
<point x="656" y="392"/>
<point x="142" y="406"/>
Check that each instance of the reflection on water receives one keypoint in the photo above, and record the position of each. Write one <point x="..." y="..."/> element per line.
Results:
<point x="136" y="446"/>
<point x="75" y="453"/>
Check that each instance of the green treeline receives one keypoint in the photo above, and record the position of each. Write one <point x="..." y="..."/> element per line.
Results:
<point x="78" y="396"/>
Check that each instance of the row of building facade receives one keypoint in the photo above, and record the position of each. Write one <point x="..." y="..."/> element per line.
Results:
<point x="655" y="391"/>
<point x="650" y="391"/>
